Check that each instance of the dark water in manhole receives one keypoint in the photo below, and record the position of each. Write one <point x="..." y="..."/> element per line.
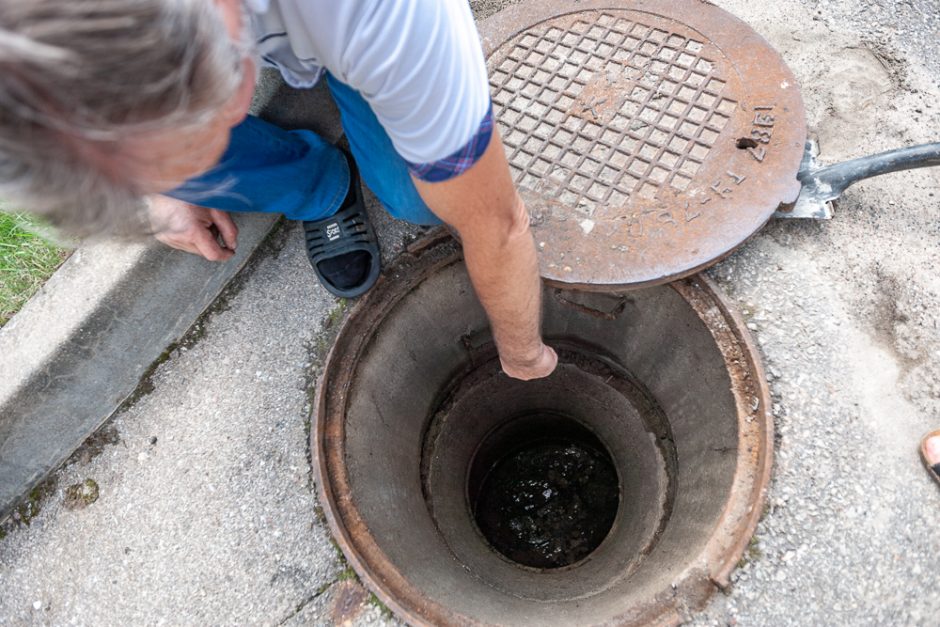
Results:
<point x="549" y="503"/>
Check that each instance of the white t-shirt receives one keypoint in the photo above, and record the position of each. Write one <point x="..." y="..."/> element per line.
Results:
<point x="418" y="63"/>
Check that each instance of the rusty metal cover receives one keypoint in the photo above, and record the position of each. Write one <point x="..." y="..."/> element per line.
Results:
<point x="647" y="138"/>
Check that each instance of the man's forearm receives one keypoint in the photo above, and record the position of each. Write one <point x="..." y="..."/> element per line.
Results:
<point x="506" y="278"/>
<point x="482" y="204"/>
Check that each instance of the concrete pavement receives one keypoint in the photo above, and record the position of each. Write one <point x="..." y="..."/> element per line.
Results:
<point x="206" y="514"/>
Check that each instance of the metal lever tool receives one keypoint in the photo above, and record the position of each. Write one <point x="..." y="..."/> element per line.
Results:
<point x="822" y="185"/>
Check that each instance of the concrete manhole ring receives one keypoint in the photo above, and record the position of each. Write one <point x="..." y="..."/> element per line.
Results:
<point x="648" y="138"/>
<point x="665" y="378"/>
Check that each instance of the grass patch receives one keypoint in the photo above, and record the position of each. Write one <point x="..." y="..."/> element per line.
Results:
<point x="26" y="261"/>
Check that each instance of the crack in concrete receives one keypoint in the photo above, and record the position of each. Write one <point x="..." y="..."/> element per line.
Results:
<point x="310" y="599"/>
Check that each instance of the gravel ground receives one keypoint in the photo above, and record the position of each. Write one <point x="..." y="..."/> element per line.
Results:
<point x="205" y="511"/>
<point x="846" y="315"/>
<point x="912" y="26"/>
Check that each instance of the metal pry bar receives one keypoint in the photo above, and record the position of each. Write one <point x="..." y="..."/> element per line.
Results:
<point x="822" y="185"/>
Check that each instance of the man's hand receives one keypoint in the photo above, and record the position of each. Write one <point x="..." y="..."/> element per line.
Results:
<point x="542" y="366"/>
<point x="194" y="229"/>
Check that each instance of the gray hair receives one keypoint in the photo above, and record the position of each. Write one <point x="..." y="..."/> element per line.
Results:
<point x="78" y="77"/>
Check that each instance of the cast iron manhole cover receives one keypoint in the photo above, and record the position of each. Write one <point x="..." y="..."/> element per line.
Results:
<point x="648" y="139"/>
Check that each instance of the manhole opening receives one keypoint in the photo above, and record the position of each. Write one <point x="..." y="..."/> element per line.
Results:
<point x="423" y="444"/>
<point x="572" y="476"/>
<point x="544" y="490"/>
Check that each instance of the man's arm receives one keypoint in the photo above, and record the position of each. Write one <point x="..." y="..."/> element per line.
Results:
<point x="484" y="208"/>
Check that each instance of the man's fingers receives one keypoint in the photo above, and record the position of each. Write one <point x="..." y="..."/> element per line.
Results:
<point x="227" y="228"/>
<point x="192" y="228"/>
<point x="208" y="247"/>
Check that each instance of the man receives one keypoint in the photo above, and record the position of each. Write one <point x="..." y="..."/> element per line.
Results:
<point x="107" y="102"/>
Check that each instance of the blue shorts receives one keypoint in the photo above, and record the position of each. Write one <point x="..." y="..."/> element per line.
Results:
<point x="300" y="175"/>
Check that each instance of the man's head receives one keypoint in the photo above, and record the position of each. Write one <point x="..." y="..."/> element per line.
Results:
<point x="103" y="101"/>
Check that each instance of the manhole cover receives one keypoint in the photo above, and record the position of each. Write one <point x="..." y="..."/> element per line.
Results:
<point x="648" y="139"/>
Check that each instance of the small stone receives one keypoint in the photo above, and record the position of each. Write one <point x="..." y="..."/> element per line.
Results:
<point x="751" y="326"/>
<point x="37" y="605"/>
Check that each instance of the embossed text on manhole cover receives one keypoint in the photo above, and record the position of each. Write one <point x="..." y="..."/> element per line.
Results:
<point x="648" y="139"/>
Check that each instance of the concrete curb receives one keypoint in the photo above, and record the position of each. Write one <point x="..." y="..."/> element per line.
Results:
<point x="80" y="346"/>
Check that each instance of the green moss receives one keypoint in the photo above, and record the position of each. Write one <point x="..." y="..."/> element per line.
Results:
<point x="765" y="510"/>
<point x="146" y="386"/>
<point x="34" y="501"/>
<point x="339" y="553"/>
<point x="330" y="330"/>
<point x="95" y="444"/>
<point x="753" y="549"/>
<point x="376" y="602"/>
<point x="752" y="554"/>
<point x="274" y="241"/>
<point x="316" y="355"/>
<point x="335" y="314"/>
<point x="347" y="574"/>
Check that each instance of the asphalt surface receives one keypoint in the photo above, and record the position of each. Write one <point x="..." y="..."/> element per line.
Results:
<point x="206" y="511"/>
